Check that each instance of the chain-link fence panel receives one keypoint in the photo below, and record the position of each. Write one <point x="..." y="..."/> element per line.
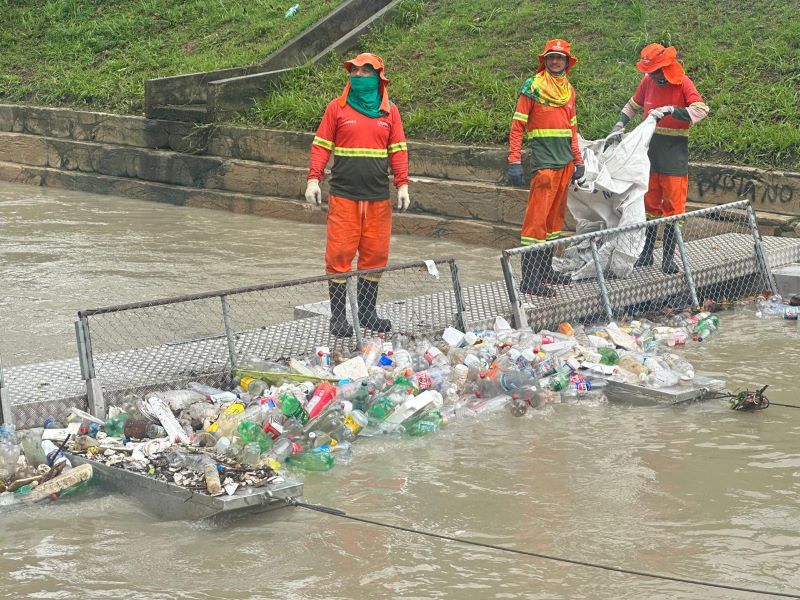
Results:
<point x="147" y="346"/>
<point x="711" y="254"/>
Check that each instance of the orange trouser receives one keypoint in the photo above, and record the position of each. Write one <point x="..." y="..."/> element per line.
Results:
<point x="666" y="195"/>
<point x="547" y="201"/>
<point x="357" y="225"/>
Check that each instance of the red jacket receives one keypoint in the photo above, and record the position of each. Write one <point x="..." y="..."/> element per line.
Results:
<point x="363" y="149"/>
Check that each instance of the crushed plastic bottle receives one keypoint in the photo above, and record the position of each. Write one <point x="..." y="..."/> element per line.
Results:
<point x="292" y="11"/>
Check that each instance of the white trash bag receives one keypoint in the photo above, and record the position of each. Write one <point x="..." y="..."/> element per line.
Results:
<point x="613" y="195"/>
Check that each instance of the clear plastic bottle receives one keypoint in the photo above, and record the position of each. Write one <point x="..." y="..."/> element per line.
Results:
<point x="9" y="455"/>
<point x="660" y="373"/>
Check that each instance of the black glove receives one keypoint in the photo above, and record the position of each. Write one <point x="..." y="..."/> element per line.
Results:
<point x="515" y="175"/>
<point x="579" y="175"/>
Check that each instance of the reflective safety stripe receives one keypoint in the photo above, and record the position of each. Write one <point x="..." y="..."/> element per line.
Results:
<point x="553" y="235"/>
<point x="547" y="133"/>
<point x="635" y="104"/>
<point x="327" y="144"/>
<point x="529" y="241"/>
<point x="399" y="146"/>
<point x="573" y="121"/>
<point x="671" y="131"/>
<point x="370" y="152"/>
<point x="518" y="116"/>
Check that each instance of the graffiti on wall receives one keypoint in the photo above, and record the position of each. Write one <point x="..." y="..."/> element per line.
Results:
<point x="745" y="187"/>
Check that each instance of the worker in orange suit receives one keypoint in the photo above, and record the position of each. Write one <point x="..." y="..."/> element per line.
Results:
<point x="364" y="132"/>
<point x="671" y="97"/>
<point x="545" y="117"/>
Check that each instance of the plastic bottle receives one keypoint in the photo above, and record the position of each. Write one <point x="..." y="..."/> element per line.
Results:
<point x="212" y="394"/>
<point x="435" y="357"/>
<point x="311" y="461"/>
<point x="228" y="421"/>
<point x="635" y="367"/>
<point x="9" y="451"/>
<point x="680" y="366"/>
<point x="608" y="356"/>
<point x="660" y="373"/>
<point x="323" y="395"/>
<point x="211" y="474"/>
<point x="292" y="408"/>
<point x="281" y="449"/>
<point x="371" y="352"/>
<point x="293" y="9"/>
<point x="251" y="432"/>
<point x="115" y="426"/>
<point x="412" y="407"/>
<point x="433" y="378"/>
<point x="31" y="445"/>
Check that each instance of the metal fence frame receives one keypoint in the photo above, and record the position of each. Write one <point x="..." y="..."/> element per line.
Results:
<point x="94" y="387"/>
<point x="516" y="304"/>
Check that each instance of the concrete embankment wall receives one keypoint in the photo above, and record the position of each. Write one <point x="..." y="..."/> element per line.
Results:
<point x="456" y="191"/>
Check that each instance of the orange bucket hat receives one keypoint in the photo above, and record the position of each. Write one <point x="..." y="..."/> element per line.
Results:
<point x="376" y="62"/>
<point x="655" y="56"/>
<point x="557" y="46"/>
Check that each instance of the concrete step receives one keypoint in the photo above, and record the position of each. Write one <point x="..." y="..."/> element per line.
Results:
<point x="190" y="113"/>
<point x="473" y="200"/>
<point x="464" y="230"/>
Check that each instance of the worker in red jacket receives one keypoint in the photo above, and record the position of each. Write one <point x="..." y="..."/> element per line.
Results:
<point x="545" y="117"/>
<point x="364" y="132"/>
<point x="671" y="97"/>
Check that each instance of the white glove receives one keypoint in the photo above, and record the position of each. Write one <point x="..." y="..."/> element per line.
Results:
<point x="403" y="201"/>
<point x="313" y="193"/>
<point x="661" y="111"/>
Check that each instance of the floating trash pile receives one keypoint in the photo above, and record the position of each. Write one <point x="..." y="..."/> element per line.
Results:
<point x="775" y="306"/>
<point x="305" y="414"/>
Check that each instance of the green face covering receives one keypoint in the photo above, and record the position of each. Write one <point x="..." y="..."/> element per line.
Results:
<point x="364" y="96"/>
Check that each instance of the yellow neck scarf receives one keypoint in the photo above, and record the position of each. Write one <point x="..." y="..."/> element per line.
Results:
<point x="548" y="89"/>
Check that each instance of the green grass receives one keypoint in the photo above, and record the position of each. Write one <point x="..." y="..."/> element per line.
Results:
<point x="97" y="54"/>
<point x="457" y="65"/>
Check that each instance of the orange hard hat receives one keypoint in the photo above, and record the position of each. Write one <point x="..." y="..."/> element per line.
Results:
<point x="655" y="56"/>
<point x="376" y="62"/>
<point x="557" y="46"/>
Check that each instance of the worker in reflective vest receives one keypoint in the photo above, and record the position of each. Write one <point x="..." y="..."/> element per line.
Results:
<point x="364" y="132"/>
<point x="545" y="116"/>
<point x="671" y="97"/>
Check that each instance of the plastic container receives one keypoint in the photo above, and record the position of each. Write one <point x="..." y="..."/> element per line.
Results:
<point x="323" y="396"/>
<point x="311" y="461"/>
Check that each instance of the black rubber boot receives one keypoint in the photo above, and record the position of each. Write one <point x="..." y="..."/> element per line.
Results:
<point x="531" y="282"/>
<point x="339" y="326"/>
<point x="668" y="256"/>
<point x="549" y="275"/>
<point x="367" y="316"/>
<point x="646" y="257"/>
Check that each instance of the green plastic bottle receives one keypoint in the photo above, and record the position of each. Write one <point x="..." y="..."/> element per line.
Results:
<point x="291" y="407"/>
<point x="608" y="356"/>
<point x="380" y="409"/>
<point x="251" y="432"/>
<point x="115" y="426"/>
<point x="311" y="461"/>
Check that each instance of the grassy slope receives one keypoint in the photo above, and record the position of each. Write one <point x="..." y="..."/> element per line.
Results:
<point x="97" y="53"/>
<point x="457" y="66"/>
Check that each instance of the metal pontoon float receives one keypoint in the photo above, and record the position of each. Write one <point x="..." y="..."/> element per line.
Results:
<point x="628" y="393"/>
<point x="174" y="503"/>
